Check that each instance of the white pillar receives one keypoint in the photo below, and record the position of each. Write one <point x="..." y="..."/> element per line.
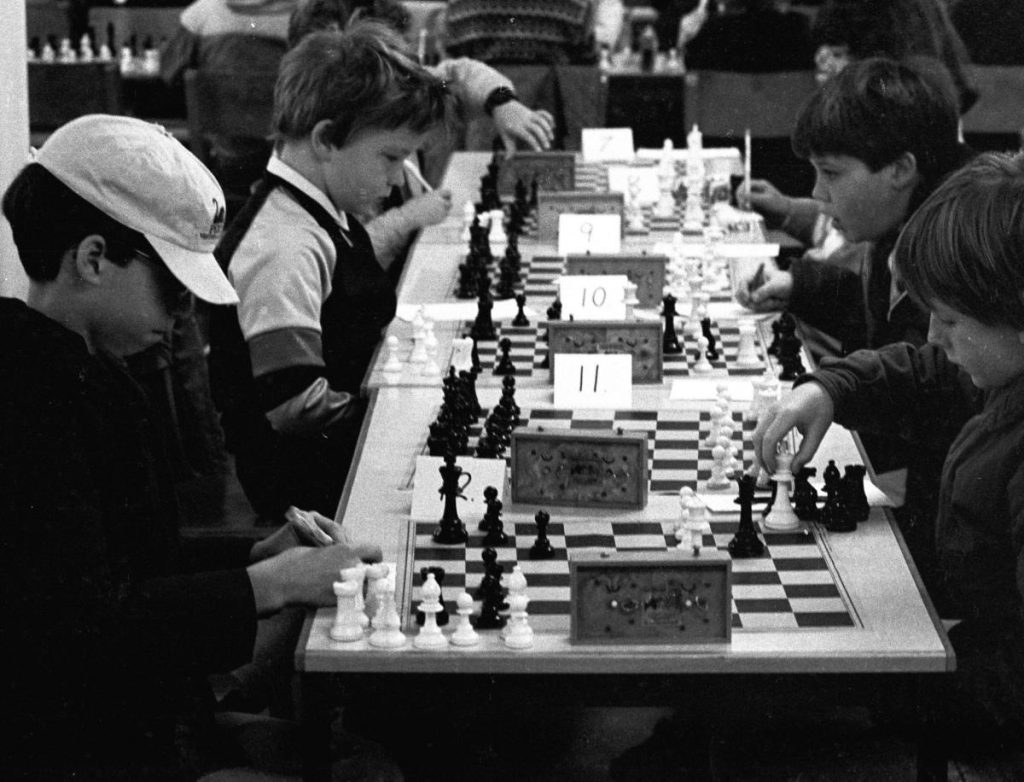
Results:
<point x="13" y="132"/>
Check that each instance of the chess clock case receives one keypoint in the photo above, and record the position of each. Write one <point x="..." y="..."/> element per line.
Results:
<point x="644" y="597"/>
<point x="579" y="468"/>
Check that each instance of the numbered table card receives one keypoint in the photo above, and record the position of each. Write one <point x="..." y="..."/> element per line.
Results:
<point x="607" y="144"/>
<point x="578" y="233"/>
<point x="639" y="184"/>
<point x="602" y="381"/>
<point x="593" y="296"/>
<point x="427" y="502"/>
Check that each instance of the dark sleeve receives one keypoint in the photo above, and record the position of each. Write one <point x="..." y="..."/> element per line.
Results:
<point x="179" y="54"/>
<point x="914" y="394"/>
<point x="73" y="601"/>
<point x="830" y="298"/>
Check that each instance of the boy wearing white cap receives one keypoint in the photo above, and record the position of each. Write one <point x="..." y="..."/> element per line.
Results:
<point x="115" y="223"/>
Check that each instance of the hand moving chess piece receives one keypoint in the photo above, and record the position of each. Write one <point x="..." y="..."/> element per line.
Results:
<point x="782" y="517"/>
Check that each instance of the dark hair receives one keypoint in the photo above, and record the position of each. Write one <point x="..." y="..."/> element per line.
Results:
<point x="311" y="16"/>
<point x="362" y="78"/>
<point x="876" y="110"/>
<point x="964" y="246"/>
<point x="896" y="29"/>
<point x="47" y="218"/>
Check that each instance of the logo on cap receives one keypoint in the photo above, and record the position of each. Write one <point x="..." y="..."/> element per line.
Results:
<point x="217" y="226"/>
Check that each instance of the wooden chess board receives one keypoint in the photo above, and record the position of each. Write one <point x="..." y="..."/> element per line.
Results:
<point x="678" y="452"/>
<point x="791" y="586"/>
<point x="529" y="354"/>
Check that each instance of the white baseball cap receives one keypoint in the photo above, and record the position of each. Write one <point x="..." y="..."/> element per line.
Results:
<point x="140" y="175"/>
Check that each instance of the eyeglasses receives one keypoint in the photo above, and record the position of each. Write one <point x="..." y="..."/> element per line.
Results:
<point x="177" y="299"/>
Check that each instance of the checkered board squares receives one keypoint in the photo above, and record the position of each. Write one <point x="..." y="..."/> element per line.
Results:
<point x="530" y="352"/>
<point x="678" y="453"/>
<point x="789" y="587"/>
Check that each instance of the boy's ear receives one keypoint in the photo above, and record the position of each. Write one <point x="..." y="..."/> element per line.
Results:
<point x="87" y="258"/>
<point x="903" y="171"/>
<point x="319" y="137"/>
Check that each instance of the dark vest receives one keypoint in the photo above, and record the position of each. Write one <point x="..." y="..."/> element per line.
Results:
<point x="276" y="470"/>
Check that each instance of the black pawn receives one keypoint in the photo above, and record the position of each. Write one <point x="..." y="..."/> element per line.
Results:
<point x="442" y="615"/>
<point x="504" y="365"/>
<point x="555" y="310"/>
<point x="483" y="326"/>
<point x="831" y="476"/>
<point x="495" y="536"/>
<point x="490" y="496"/>
<point x="709" y="335"/>
<point x="805" y="496"/>
<point x="833" y="513"/>
<point x="542" y="548"/>
<point x="851" y="490"/>
<point x="746" y="543"/>
<point x="670" y="342"/>
<point x="520" y="318"/>
<point x="491" y="594"/>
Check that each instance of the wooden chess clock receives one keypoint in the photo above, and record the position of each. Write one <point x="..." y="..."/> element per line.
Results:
<point x="647" y="272"/>
<point x="641" y="339"/>
<point x="550" y="205"/>
<point x="581" y="468"/>
<point x="552" y="170"/>
<point x="650" y="597"/>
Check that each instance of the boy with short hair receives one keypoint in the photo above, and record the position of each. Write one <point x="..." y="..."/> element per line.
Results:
<point x="881" y="135"/>
<point x="289" y="363"/>
<point x="115" y="223"/>
<point x="960" y="257"/>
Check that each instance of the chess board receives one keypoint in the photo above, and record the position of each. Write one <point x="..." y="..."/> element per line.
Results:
<point x="529" y="353"/>
<point x="678" y="453"/>
<point x="792" y="586"/>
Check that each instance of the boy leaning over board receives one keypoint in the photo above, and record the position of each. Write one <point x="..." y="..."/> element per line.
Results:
<point x="961" y="256"/>
<point x="287" y="364"/>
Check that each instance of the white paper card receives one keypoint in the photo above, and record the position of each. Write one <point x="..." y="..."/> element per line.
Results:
<point x="462" y="354"/>
<point x="603" y="381"/>
<point x="593" y="296"/>
<point x="461" y="310"/>
<point x="427" y="502"/>
<point x="692" y="390"/>
<point x="644" y="179"/>
<point x="607" y="144"/>
<point x="589" y="234"/>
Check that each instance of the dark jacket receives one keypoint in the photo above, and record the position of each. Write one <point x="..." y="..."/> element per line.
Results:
<point x="920" y="396"/>
<point x="759" y="41"/>
<point x="103" y="632"/>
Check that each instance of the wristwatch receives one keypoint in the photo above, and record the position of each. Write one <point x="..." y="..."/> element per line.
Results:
<point x="498" y="97"/>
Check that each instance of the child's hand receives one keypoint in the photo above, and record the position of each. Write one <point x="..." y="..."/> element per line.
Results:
<point x="808" y="409"/>
<point x="516" y="123"/>
<point x="429" y="208"/>
<point x="768" y="291"/>
<point x="765" y="199"/>
<point x="301" y="528"/>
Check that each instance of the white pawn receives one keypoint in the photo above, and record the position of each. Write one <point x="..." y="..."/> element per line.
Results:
<point x="48" y="55"/>
<point x="66" y="54"/>
<point x="732" y="462"/>
<point x="718" y="416"/>
<point x="387" y="624"/>
<point x="429" y="338"/>
<point x="393" y="363"/>
<point x="464" y="634"/>
<point x="497" y="237"/>
<point x="691" y="534"/>
<point x="85" y="49"/>
<point x="468" y="213"/>
<point x="375" y="575"/>
<point x="430" y="635"/>
<point x="346" y="625"/>
<point x="746" y="354"/>
<point x="719" y="469"/>
<point x="516" y="586"/>
<point x="782" y="517"/>
<point x="687" y="498"/>
<point x="703" y="365"/>
<point x="105" y="54"/>
<point x="357" y="575"/>
<point x="520" y="634"/>
<point x="419" y="346"/>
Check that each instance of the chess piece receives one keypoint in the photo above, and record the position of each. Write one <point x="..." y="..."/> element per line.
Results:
<point x="483" y="326"/>
<point x="554" y="312"/>
<point x="375" y="574"/>
<point x="464" y="634"/>
<point x="833" y="514"/>
<point x="491" y="594"/>
<point x="712" y="350"/>
<point x="357" y="575"/>
<point x="805" y="496"/>
<point x="393" y="363"/>
<point x="746" y="544"/>
<point x="516" y="586"/>
<point x="504" y="365"/>
<point x="387" y="624"/>
<point x="451" y="530"/>
<point x="719" y="479"/>
<point x="782" y="517"/>
<point x="694" y="527"/>
<point x="520" y="634"/>
<point x="670" y="341"/>
<point x="851" y="488"/>
<point x="495" y="536"/>
<point x="746" y="354"/>
<point x="346" y="626"/>
<point x="430" y="635"/>
<point x="438" y="574"/>
<point x="520" y="319"/>
<point x="542" y="548"/>
<point x="831" y="476"/>
<point x="702" y="366"/>
<point x="468" y="215"/>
